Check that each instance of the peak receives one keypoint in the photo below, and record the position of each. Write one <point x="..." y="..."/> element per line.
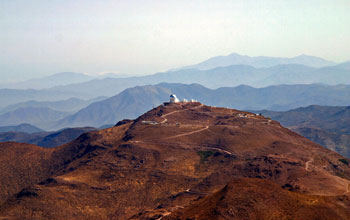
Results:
<point x="306" y="56"/>
<point x="237" y="55"/>
<point x="234" y="54"/>
<point x="303" y="55"/>
<point x="196" y="113"/>
<point x="69" y="74"/>
<point x="173" y="155"/>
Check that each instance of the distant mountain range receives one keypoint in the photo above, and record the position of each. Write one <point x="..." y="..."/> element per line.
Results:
<point x="15" y="96"/>
<point x="326" y="125"/>
<point x="65" y="78"/>
<point x="25" y="128"/>
<point x="229" y="71"/>
<point x="259" y="61"/>
<point x="57" y="79"/>
<point x="345" y="65"/>
<point x="45" y="139"/>
<point x="37" y="116"/>
<point x="69" y="105"/>
<point x="133" y="101"/>
<point x="215" y="78"/>
<point x="71" y="99"/>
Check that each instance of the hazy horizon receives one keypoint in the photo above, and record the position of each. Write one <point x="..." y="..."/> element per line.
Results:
<point x="118" y="74"/>
<point x="40" y="38"/>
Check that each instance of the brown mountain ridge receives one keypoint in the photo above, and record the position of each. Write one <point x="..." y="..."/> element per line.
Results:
<point x="180" y="161"/>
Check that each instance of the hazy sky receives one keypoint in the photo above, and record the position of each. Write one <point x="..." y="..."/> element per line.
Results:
<point x="42" y="37"/>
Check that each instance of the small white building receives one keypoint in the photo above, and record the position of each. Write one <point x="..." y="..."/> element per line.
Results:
<point x="173" y="98"/>
<point x="150" y="122"/>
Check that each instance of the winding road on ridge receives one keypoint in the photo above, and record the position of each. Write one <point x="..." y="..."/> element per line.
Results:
<point x="187" y="133"/>
<point x="170" y="113"/>
<point x="307" y="164"/>
<point x="191" y="132"/>
<point x="346" y="182"/>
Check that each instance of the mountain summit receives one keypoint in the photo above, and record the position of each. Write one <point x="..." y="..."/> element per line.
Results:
<point x="183" y="161"/>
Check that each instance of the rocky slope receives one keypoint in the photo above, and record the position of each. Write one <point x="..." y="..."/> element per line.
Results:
<point x="257" y="199"/>
<point x="177" y="158"/>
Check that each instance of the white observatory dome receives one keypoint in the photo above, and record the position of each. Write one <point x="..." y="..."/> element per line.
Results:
<point x="173" y="98"/>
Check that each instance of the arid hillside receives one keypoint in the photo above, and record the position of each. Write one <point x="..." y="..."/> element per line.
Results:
<point x="257" y="199"/>
<point x="185" y="161"/>
<point x="22" y="165"/>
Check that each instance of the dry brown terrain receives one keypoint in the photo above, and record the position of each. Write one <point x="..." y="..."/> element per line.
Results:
<point x="22" y="165"/>
<point x="194" y="163"/>
<point x="257" y="199"/>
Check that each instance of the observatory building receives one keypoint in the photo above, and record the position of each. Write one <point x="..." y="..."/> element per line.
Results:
<point x="173" y="98"/>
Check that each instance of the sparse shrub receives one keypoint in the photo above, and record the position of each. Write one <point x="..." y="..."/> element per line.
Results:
<point x="344" y="161"/>
<point x="205" y="154"/>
